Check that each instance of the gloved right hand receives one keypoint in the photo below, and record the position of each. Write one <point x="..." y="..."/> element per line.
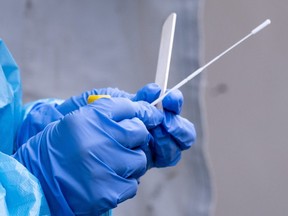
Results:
<point x="90" y="160"/>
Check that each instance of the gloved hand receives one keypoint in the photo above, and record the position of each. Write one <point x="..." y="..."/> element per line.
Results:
<point x="174" y="135"/>
<point x="148" y="93"/>
<point x="90" y="160"/>
<point x="42" y="112"/>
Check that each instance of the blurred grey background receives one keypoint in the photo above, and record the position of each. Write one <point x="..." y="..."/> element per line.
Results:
<point x="245" y="96"/>
<point x="247" y="103"/>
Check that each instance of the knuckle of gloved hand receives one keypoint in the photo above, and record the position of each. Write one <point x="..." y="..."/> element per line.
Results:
<point x="132" y="164"/>
<point x="102" y="204"/>
<point x="188" y="137"/>
<point x="149" y="93"/>
<point x="149" y="114"/>
<point x="139" y="164"/>
<point x="181" y="129"/>
<point x="173" y="101"/>
<point x="128" y="191"/>
<point x="134" y="133"/>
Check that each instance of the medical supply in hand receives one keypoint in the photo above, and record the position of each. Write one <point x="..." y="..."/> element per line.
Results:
<point x="164" y="57"/>
<point x="198" y="71"/>
<point x="20" y="191"/>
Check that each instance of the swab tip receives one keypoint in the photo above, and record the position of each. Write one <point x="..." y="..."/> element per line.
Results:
<point x="261" y="26"/>
<point x="268" y="21"/>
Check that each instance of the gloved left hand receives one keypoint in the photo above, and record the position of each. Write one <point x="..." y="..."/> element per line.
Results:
<point x="90" y="160"/>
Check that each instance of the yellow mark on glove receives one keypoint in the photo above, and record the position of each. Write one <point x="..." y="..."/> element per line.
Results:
<point x="93" y="98"/>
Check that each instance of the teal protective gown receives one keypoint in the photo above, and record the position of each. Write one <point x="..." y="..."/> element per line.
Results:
<point x="20" y="191"/>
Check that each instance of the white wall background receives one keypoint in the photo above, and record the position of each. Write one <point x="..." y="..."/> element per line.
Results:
<point x="247" y="103"/>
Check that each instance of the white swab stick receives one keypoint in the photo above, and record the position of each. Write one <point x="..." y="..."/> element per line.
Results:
<point x="199" y="70"/>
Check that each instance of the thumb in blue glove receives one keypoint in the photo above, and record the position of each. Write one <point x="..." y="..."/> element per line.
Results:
<point x="89" y="161"/>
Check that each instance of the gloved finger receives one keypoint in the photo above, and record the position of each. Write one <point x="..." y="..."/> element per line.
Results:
<point x="119" y="139"/>
<point x="119" y="189"/>
<point x="119" y="109"/>
<point x="127" y="189"/>
<point x="148" y="93"/>
<point x="182" y="130"/>
<point x="132" y="164"/>
<point x="173" y="101"/>
<point x="129" y="192"/>
<point x="165" y="149"/>
<point x="125" y="162"/>
<point x="131" y="133"/>
<point x="76" y="102"/>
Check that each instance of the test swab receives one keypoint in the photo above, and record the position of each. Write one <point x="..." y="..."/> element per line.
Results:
<point x="199" y="70"/>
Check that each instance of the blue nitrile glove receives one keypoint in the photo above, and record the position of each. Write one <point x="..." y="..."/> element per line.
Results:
<point x="36" y="116"/>
<point x="148" y="93"/>
<point x="42" y="112"/>
<point x="174" y="135"/>
<point x="90" y="160"/>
